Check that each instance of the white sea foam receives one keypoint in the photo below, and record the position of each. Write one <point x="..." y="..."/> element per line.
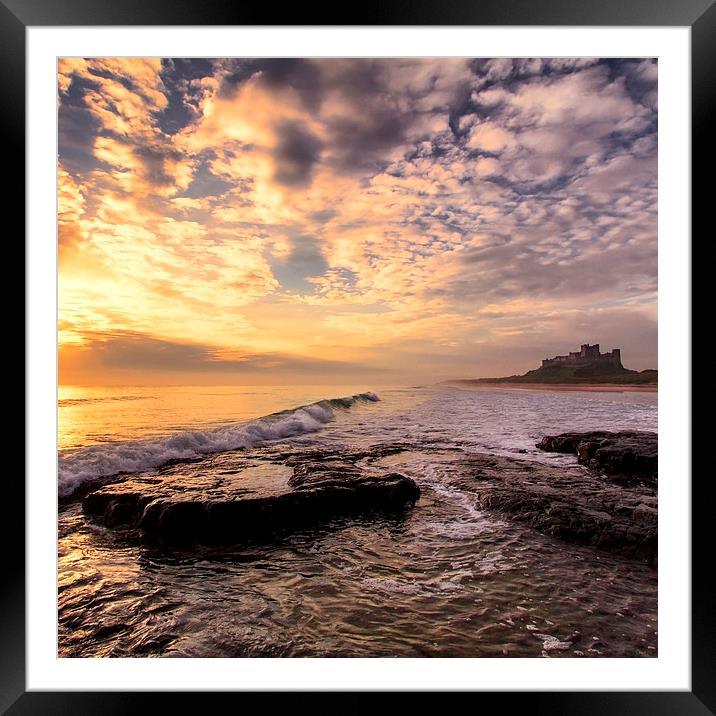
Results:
<point x="392" y="586"/>
<point x="81" y="465"/>
<point x="552" y="643"/>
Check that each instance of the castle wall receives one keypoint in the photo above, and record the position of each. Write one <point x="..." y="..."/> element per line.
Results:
<point x="587" y="355"/>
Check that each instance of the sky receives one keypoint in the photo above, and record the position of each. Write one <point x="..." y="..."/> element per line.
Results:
<point x="278" y="221"/>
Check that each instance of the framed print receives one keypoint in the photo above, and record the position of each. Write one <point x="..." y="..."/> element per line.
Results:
<point x="356" y="342"/>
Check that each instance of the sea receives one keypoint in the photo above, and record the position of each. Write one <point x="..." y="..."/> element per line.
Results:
<point x="444" y="579"/>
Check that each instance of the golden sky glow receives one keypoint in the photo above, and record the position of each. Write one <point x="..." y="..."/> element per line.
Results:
<point x="277" y="221"/>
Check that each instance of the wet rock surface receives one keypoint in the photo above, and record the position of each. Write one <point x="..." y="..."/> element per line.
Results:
<point x="630" y="456"/>
<point x="235" y="497"/>
<point x="570" y="503"/>
<point x="252" y="498"/>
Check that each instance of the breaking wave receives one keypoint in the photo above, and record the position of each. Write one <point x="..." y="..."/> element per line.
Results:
<point x="82" y="465"/>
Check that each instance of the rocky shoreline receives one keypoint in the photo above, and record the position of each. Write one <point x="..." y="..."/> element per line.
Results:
<point x="629" y="455"/>
<point x="611" y="505"/>
<point x="257" y="500"/>
<point x="608" y="501"/>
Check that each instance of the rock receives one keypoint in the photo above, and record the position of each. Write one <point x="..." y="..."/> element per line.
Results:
<point x="569" y="503"/>
<point x="254" y="499"/>
<point x="629" y="455"/>
<point x="644" y="514"/>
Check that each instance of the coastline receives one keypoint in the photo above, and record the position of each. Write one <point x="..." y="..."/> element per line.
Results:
<point x="583" y="387"/>
<point x="407" y="508"/>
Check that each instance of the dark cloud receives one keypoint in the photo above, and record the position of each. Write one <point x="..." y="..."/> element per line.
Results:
<point x="304" y="76"/>
<point x="641" y="82"/>
<point x="460" y="105"/>
<point x="296" y="153"/>
<point x="377" y="122"/>
<point x="300" y="75"/>
<point x="379" y="117"/>
<point x="360" y="142"/>
<point x="136" y="352"/>
<point x="153" y="158"/>
<point x="77" y="128"/>
<point x="182" y="94"/>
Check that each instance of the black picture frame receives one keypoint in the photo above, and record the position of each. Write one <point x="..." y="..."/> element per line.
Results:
<point x="699" y="15"/>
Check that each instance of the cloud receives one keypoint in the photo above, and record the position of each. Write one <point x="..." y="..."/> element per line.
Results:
<point x="134" y="353"/>
<point x="345" y="207"/>
<point x="300" y="75"/>
<point x="70" y="201"/>
<point x="295" y="154"/>
<point x="489" y="137"/>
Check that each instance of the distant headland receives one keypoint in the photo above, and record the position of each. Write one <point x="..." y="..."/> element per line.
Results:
<point x="587" y="366"/>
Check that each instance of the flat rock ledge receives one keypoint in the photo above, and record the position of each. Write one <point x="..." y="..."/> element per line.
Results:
<point x="570" y="503"/>
<point x="629" y="455"/>
<point x="250" y="500"/>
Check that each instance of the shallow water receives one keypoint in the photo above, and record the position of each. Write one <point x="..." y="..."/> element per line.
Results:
<point x="444" y="579"/>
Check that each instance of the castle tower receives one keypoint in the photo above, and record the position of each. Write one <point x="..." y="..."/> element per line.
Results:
<point x="587" y="354"/>
<point x="588" y="351"/>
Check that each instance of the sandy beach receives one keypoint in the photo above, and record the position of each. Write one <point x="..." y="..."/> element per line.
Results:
<point x="584" y="387"/>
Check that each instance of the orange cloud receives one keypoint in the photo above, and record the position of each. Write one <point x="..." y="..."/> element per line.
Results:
<point x="352" y="207"/>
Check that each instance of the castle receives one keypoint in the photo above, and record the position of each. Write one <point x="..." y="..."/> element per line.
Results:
<point x="588" y="354"/>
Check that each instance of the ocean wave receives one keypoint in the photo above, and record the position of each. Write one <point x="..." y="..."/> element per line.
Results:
<point x="101" y="399"/>
<point x="81" y="465"/>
